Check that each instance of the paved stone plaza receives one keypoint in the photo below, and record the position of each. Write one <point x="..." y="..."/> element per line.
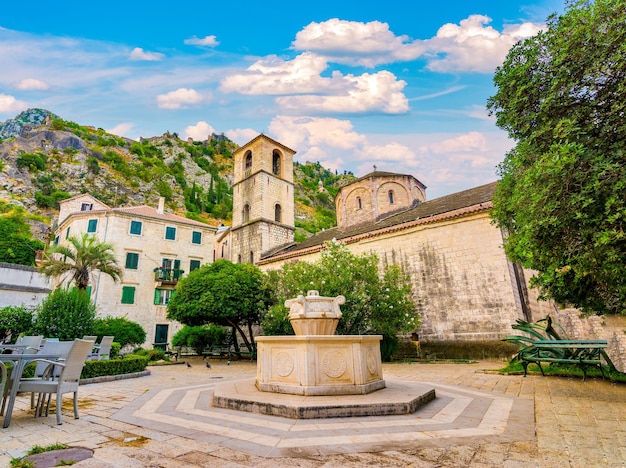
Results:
<point x="478" y="419"/>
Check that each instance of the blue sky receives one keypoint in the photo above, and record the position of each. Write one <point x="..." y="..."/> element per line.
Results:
<point x="401" y="85"/>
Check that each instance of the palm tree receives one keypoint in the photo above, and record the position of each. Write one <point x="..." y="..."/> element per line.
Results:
<point x="75" y="261"/>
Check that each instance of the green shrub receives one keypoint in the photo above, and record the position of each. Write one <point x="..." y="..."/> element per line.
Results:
<point x="200" y="337"/>
<point x="126" y="332"/>
<point x="33" y="161"/>
<point x="154" y="354"/>
<point x="15" y="320"/>
<point x="66" y="314"/>
<point x="115" y="350"/>
<point x="127" y="365"/>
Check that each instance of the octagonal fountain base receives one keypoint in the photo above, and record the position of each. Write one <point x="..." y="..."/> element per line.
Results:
<point x="319" y="364"/>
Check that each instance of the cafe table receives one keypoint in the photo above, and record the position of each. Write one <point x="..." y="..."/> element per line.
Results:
<point x="19" y="362"/>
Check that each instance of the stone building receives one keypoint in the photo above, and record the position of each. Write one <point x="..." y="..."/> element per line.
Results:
<point x="22" y="285"/>
<point x="155" y="249"/>
<point x="263" y="199"/>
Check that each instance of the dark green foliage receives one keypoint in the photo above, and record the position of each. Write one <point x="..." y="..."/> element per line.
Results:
<point x="17" y="244"/>
<point x="93" y="166"/>
<point x="153" y="354"/>
<point x="32" y="161"/>
<point x="15" y="320"/>
<point x="66" y="314"/>
<point x="129" y="364"/>
<point x="562" y="198"/>
<point x="375" y="303"/>
<point x="222" y="293"/>
<point x="199" y="337"/>
<point x="126" y="332"/>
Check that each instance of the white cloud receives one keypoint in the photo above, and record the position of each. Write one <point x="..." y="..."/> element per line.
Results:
<point x="241" y="136"/>
<point x="31" y="84"/>
<point x="122" y="129"/>
<point x="9" y="104"/>
<point x="179" y="99"/>
<point x="199" y="132"/>
<point x="378" y="92"/>
<point x="469" y="142"/>
<point x="351" y="42"/>
<point x="139" y="54"/>
<point x="471" y="46"/>
<point x="207" y="41"/>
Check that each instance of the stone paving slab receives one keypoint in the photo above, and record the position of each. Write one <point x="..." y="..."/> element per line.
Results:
<point x="576" y="424"/>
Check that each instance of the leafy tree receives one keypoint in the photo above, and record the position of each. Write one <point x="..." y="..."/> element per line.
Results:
<point x="17" y="244"/>
<point x="77" y="260"/>
<point x="562" y="198"/>
<point x="66" y="314"/>
<point x="125" y="332"/>
<point x="15" y="320"/>
<point x="375" y="303"/>
<point x="222" y="293"/>
<point x="200" y="337"/>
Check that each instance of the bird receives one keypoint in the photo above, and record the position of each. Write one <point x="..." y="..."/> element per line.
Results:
<point x="228" y="363"/>
<point x="208" y="366"/>
<point x="188" y="365"/>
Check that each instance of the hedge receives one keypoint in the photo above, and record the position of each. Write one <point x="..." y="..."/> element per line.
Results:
<point x="129" y="364"/>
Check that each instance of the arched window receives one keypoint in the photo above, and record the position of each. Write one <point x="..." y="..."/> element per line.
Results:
<point x="276" y="163"/>
<point x="238" y="258"/>
<point x="248" y="161"/>
<point x="251" y="257"/>
<point x="246" y="213"/>
<point x="390" y="197"/>
<point x="277" y="213"/>
<point x="359" y="204"/>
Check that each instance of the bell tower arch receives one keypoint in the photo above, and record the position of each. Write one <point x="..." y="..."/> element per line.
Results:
<point x="263" y="199"/>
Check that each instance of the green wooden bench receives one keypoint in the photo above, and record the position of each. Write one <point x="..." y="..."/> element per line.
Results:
<point x="244" y="351"/>
<point x="583" y="353"/>
<point x="219" y="350"/>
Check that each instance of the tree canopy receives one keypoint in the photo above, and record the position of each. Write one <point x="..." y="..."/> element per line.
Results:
<point x="78" y="259"/>
<point x="222" y="293"/>
<point x="17" y="244"/>
<point x="562" y="198"/>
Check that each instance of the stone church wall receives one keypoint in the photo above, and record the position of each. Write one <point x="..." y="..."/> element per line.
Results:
<point x="461" y="279"/>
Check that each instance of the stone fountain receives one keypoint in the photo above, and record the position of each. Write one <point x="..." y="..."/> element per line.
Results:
<point x="317" y="374"/>
<point x="316" y="361"/>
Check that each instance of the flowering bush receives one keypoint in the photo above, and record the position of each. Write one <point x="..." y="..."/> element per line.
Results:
<point x="378" y="300"/>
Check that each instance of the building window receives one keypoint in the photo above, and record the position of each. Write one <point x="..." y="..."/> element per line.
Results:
<point x="67" y="233"/>
<point x="276" y="163"/>
<point x="194" y="265"/>
<point x="132" y="260"/>
<point x="92" y="226"/>
<point x="86" y="206"/>
<point x="170" y="233"/>
<point x="56" y="240"/>
<point x="163" y="296"/>
<point x="248" y="161"/>
<point x="359" y="203"/>
<point x="238" y="258"/>
<point x="390" y="197"/>
<point x="135" y="227"/>
<point x="251" y="257"/>
<point x="277" y="213"/>
<point x="196" y="237"/>
<point x="128" y="294"/>
<point x="246" y="213"/>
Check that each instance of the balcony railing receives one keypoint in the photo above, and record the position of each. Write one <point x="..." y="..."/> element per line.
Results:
<point x="168" y="275"/>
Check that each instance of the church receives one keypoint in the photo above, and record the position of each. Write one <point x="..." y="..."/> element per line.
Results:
<point x="463" y="284"/>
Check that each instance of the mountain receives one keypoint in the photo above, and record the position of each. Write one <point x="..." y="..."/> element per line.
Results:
<point x="45" y="159"/>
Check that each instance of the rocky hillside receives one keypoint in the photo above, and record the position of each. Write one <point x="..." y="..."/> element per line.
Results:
<point x="44" y="159"/>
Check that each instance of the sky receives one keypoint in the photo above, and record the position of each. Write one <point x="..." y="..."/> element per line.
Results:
<point x="399" y="85"/>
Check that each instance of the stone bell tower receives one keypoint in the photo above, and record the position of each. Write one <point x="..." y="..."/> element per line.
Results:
<point x="263" y="199"/>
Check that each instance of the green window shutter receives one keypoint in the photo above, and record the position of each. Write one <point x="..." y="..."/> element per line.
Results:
<point x="93" y="225"/>
<point x="196" y="237"/>
<point x="194" y="265"/>
<point x="128" y="294"/>
<point x="135" y="227"/>
<point x="132" y="260"/>
<point x="88" y="291"/>
<point x="176" y="264"/>
<point x="157" y="296"/>
<point x="170" y="233"/>
<point x="67" y="233"/>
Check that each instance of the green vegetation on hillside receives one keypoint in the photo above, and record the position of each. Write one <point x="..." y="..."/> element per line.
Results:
<point x="17" y="244"/>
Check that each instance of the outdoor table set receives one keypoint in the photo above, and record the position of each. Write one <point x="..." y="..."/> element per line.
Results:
<point x="59" y="365"/>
